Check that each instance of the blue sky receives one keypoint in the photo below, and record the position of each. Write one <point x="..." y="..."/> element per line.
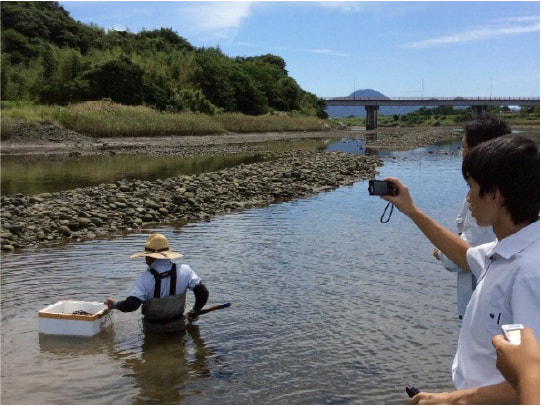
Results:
<point x="402" y="49"/>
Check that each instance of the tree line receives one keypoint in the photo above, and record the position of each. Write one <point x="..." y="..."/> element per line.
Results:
<point x="49" y="58"/>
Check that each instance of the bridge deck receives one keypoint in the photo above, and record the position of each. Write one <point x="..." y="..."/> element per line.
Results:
<point x="433" y="101"/>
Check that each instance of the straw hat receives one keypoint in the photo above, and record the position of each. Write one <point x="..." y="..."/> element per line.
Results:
<point x="157" y="247"/>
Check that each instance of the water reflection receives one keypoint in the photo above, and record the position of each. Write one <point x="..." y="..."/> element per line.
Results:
<point x="62" y="346"/>
<point x="159" y="366"/>
<point x="34" y="175"/>
<point x="40" y="176"/>
<point x="166" y="363"/>
<point x="351" y="145"/>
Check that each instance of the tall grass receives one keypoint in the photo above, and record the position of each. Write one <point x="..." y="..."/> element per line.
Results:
<point x="240" y="123"/>
<point x="26" y="111"/>
<point x="107" y="119"/>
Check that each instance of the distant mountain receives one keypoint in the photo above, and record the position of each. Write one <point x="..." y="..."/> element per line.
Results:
<point x="359" y="111"/>
<point x="368" y="93"/>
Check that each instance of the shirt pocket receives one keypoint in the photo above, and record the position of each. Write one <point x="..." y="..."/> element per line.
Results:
<point x="495" y="313"/>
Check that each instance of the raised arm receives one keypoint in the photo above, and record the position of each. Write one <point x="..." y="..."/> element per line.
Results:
<point x="449" y="243"/>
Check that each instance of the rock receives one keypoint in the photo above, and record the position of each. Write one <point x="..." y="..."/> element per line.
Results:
<point x="15" y="228"/>
<point x="65" y="230"/>
<point x="83" y="221"/>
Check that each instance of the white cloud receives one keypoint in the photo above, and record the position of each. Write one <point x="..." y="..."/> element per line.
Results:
<point x="481" y="33"/>
<point x="345" y="6"/>
<point x="524" y="19"/>
<point x="326" y="52"/>
<point x="321" y="51"/>
<point x="219" y="19"/>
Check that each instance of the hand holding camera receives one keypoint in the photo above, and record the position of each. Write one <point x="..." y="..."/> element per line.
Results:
<point x="394" y="192"/>
<point x="401" y="197"/>
<point x="382" y="188"/>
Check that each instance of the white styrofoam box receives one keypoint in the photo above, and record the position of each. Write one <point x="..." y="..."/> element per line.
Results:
<point x="59" y="319"/>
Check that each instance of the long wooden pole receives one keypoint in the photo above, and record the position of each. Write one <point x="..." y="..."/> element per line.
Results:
<point x="212" y="308"/>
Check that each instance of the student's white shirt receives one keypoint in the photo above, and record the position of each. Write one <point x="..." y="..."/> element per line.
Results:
<point x="507" y="292"/>
<point x="474" y="235"/>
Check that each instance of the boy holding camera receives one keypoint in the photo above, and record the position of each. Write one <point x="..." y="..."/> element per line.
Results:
<point x="503" y="176"/>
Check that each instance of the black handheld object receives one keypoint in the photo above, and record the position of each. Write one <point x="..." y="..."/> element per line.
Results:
<point x="380" y="188"/>
<point x="411" y="390"/>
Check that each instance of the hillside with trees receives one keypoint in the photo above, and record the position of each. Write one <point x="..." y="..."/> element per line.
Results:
<point x="49" y="58"/>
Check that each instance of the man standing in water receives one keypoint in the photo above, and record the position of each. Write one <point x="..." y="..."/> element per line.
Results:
<point x="503" y="176"/>
<point x="475" y="133"/>
<point x="162" y="289"/>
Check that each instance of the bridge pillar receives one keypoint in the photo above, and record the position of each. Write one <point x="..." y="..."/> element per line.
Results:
<point x="478" y="111"/>
<point x="371" y="117"/>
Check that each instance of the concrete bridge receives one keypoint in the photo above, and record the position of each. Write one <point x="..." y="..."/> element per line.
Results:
<point x="479" y="105"/>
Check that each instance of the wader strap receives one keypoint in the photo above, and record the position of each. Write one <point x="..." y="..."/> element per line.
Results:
<point x="158" y="280"/>
<point x="173" y="284"/>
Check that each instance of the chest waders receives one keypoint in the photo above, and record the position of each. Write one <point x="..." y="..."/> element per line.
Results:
<point x="164" y="314"/>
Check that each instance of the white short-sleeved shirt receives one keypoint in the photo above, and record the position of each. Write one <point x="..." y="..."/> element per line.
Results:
<point x="144" y="286"/>
<point x="507" y="292"/>
<point x="474" y="235"/>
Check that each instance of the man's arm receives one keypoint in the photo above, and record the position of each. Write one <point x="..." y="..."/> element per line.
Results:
<point x="131" y="304"/>
<point x="499" y="394"/>
<point x="449" y="243"/>
<point x="201" y="296"/>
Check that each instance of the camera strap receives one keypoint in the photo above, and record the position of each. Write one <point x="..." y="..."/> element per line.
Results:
<point x="385" y="211"/>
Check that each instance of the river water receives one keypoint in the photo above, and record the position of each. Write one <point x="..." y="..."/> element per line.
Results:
<point x="329" y="306"/>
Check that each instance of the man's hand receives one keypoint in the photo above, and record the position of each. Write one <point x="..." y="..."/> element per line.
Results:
<point x="110" y="303"/>
<point x="402" y="199"/>
<point x="192" y="315"/>
<point x="425" y="398"/>
<point x="517" y="361"/>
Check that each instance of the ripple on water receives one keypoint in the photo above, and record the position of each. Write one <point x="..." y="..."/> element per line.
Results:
<point x="328" y="306"/>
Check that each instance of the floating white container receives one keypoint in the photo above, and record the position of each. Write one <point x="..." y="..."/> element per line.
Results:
<point x="59" y="319"/>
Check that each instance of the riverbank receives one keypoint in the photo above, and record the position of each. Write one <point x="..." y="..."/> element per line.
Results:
<point x="55" y="142"/>
<point x="125" y="206"/>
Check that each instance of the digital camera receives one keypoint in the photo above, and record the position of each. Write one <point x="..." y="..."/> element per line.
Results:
<point x="380" y="188"/>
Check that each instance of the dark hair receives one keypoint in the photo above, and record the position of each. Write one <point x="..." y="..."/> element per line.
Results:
<point x="484" y="129"/>
<point x="511" y="165"/>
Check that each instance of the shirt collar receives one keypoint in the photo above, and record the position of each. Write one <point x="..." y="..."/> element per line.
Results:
<point x="517" y="242"/>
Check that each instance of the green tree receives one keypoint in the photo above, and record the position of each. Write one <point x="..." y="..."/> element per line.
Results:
<point x="212" y="76"/>
<point x="48" y="56"/>
<point x="18" y="47"/>
<point x="248" y="98"/>
<point x="119" y="79"/>
<point x="287" y="94"/>
<point x="191" y="100"/>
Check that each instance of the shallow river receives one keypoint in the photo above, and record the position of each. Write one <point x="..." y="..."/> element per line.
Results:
<point x="328" y="306"/>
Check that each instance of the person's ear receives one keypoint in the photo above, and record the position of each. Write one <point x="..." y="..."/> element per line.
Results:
<point x="498" y="197"/>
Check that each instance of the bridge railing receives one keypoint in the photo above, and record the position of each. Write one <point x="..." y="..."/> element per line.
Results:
<point x="354" y="98"/>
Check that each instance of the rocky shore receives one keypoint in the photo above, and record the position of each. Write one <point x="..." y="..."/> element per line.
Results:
<point x="55" y="143"/>
<point x="124" y="206"/>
